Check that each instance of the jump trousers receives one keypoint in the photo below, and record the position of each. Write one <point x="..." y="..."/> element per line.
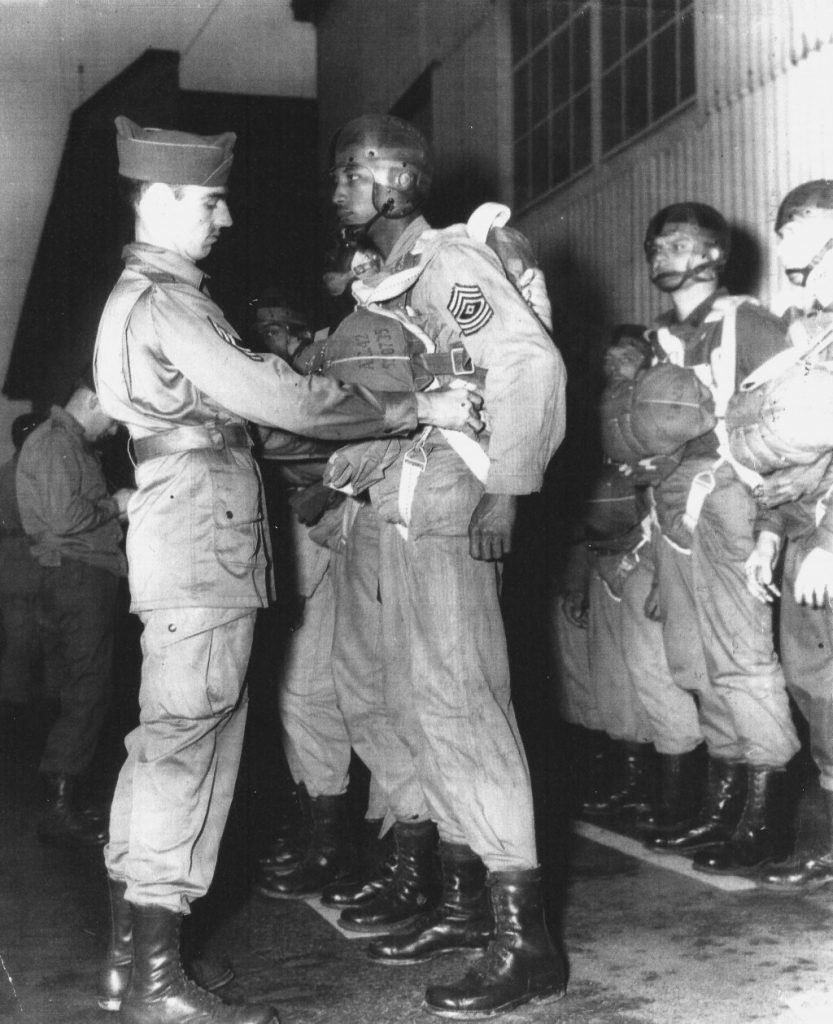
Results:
<point x="175" y="788"/>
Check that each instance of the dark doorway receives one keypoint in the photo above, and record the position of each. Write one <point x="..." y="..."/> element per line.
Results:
<point x="272" y="195"/>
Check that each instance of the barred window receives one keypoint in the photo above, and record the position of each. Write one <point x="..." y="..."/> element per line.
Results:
<point x="591" y="76"/>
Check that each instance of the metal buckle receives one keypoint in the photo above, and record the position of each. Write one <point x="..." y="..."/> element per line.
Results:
<point x="461" y="364"/>
<point x="217" y="437"/>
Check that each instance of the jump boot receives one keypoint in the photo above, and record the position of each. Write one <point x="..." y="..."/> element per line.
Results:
<point x="379" y="856"/>
<point x="288" y="846"/>
<point x="630" y="782"/>
<point x="329" y="856"/>
<point x="63" y="823"/>
<point x="679" y="794"/>
<point x="520" y="963"/>
<point x="413" y="888"/>
<point x="115" y="972"/>
<point x="160" y="993"/>
<point x="803" y="874"/>
<point x="725" y="793"/>
<point x="593" y="777"/>
<point x="761" y="833"/>
<point x="463" y="919"/>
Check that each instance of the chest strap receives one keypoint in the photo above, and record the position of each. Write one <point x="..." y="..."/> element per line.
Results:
<point x="185" y="439"/>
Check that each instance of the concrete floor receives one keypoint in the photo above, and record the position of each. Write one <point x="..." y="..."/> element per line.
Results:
<point x="648" y="942"/>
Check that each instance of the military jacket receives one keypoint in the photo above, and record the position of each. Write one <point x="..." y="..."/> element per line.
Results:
<point x="463" y="297"/>
<point x="166" y="357"/>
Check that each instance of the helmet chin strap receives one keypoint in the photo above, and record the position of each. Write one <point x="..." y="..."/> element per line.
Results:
<point x="800" y="275"/>
<point x="359" y="234"/>
<point x="671" y="280"/>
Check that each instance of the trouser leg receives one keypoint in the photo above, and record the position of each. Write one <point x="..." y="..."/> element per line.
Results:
<point x="18" y="647"/>
<point x="623" y="714"/>
<point x="673" y="724"/>
<point x="175" y="788"/>
<point x="576" y="695"/>
<point x="450" y="685"/>
<point x="737" y="629"/>
<point x="360" y="679"/>
<point x="80" y="600"/>
<point x="684" y="651"/>
<point x="316" y="741"/>
<point x="806" y="645"/>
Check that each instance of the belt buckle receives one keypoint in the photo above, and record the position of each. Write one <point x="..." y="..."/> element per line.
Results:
<point x="461" y="364"/>
<point x="217" y="438"/>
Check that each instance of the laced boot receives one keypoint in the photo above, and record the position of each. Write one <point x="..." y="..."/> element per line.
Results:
<point x="63" y="824"/>
<point x="463" y="919"/>
<point x="288" y="846"/>
<point x="631" y="780"/>
<point x="159" y="991"/>
<point x="413" y="888"/>
<point x="115" y="972"/>
<point x="725" y="793"/>
<point x="803" y="874"/>
<point x="329" y="856"/>
<point x="679" y="794"/>
<point x="380" y="860"/>
<point x="760" y="835"/>
<point x="520" y="963"/>
<point x="114" y="975"/>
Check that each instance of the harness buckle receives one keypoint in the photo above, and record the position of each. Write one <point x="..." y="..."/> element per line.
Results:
<point x="461" y="362"/>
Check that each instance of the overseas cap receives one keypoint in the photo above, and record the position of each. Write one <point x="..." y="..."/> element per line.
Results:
<point x="174" y="158"/>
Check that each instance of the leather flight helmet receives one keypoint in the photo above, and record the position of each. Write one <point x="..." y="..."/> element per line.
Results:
<point x="396" y="154"/>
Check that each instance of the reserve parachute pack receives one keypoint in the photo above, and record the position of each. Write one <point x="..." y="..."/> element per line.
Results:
<point x="612" y="509"/>
<point x="782" y="414"/>
<point x="663" y="408"/>
<point x="384" y="347"/>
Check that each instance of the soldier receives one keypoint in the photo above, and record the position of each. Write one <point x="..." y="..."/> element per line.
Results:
<point x="641" y="709"/>
<point x="796" y="500"/>
<point x="436" y="726"/>
<point x="717" y="637"/>
<point x="315" y="737"/>
<point x="74" y="526"/>
<point x="170" y="366"/>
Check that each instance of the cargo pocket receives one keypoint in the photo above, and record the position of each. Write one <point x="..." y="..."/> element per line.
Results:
<point x="237" y="517"/>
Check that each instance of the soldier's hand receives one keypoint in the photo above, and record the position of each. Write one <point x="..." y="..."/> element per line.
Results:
<point x="452" y="408"/>
<point x="759" y="567"/>
<point x="491" y="525"/>
<point x="121" y="498"/>
<point x="574" y="608"/>
<point x="814" y="581"/>
<point x="651" y="607"/>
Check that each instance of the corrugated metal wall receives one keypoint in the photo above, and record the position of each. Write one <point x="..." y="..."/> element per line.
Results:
<point x="762" y="124"/>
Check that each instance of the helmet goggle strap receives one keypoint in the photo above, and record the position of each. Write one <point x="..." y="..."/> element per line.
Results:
<point x="683" y="241"/>
<point x="800" y="275"/>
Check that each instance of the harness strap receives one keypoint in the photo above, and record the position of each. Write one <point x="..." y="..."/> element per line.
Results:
<point x="216" y="436"/>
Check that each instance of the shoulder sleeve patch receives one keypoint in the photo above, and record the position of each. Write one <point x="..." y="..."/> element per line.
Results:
<point x="470" y="308"/>
<point x="230" y="338"/>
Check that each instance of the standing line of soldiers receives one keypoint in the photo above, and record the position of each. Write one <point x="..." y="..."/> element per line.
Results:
<point x="721" y="446"/>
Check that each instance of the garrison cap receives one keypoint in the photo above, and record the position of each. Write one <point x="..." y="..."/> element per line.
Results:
<point x="172" y="157"/>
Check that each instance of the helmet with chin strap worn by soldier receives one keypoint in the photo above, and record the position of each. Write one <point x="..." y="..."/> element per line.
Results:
<point x="705" y="226"/>
<point x="397" y="156"/>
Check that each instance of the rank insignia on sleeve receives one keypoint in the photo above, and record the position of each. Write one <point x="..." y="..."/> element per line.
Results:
<point x="470" y="308"/>
<point x="230" y="338"/>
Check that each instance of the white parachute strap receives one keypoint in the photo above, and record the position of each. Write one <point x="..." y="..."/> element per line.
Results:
<point x="609" y="592"/>
<point x="725" y="376"/>
<point x="486" y="217"/>
<point x="674" y="545"/>
<point x="822" y="505"/>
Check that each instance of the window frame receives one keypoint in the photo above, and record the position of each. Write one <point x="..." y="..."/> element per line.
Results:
<point x="521" y="58"/>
